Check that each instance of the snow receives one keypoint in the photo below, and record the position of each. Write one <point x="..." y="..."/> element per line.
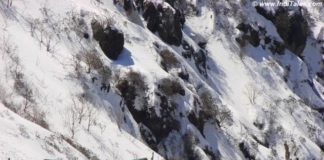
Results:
<point x="232" y="79"/>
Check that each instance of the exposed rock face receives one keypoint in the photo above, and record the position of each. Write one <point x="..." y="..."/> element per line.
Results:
<point x="151" y="15"/>
<point x="164" y="21"/>
<point x="170" y="27"/>
<point x="199" y="57"/>
<point x="291" y="26"/>
<point x="128" y="5"/>
<point x="110" y="40"/>
<point x="249" y="34"/>
<point x="154" y="127"/>
<point x="293" y="29"/>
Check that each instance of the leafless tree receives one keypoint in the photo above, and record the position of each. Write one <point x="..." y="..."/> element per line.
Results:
<point x="9" y="3"/>
<point x="81" y="111"/>
<point x="72" y="118"/>
<point x="92" y="114"/>
<point x="252" y="93"/>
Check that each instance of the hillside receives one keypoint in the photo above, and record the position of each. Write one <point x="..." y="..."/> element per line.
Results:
<point x="173" y="79"/>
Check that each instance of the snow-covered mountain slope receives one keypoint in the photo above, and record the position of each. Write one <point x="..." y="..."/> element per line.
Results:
<point x="207" y="79"/>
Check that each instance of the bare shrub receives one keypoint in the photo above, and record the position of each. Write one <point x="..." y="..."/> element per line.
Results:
<point x="76" y="64"/>
<point x="218" y="113"/>
<point x="105" y="74"/>
<point x="72" y="118"/>
<point x="87" y="112"/>
<point x="33" y="24"/>
<point x="81" y="109"/>
<point x="50" y="43"/>
<point x="23" y="89"/>
<point x="93" y="60"/>
<point x="224" y="115"/>
<point x="37" y="116"/>
<point x="171" y="87"/>
<point x="207" y="100"/>
<point x="30" y="109"/>
<point x="168" y="59"/>
<point x="133" y="89"/>
<point x="91" y="114"/>
<point x="3" y="93"/>
<point x="85" y="151"/>
<point x="252" y="93"/>
<point x="9" y="3"/>
<point x="136" y="79"/>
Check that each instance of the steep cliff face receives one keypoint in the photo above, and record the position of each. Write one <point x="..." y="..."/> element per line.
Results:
<point x="176" y="79"/>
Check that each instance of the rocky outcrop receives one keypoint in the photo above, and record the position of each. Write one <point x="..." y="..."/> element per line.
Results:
<point x="110" y="39"/>
<point x="258" y="37"/>
<point x="151" y="15"/>
<point x="291" y="26"/>
<point x="249" y="34"/>
<point x="154" y="126"/>
<point x="170" y="27"/>
<point x="199" y="57"/>
<point x="165" y="21"/>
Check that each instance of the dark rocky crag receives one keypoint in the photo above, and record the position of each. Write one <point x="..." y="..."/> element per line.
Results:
<point x="165" y="21"/>
<point x="291" y="26"/>
<point x="110" y="39"/>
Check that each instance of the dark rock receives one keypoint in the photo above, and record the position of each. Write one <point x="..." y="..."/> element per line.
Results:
<point x="139" y="5"/>
<point x="86" y="35"/>
<point x="254" y="38"/>
<point x="267" y="40"/>
<point x="202" y="117"/>
<point x="291" y="26"/>
<point x="320" y="75"/>
<point x="164" y="21"/>
<point x="264" y="143"/>
<point x="249" y="34"/>
<point x="197" y="121"/>
<point x="151" y="15"/>
<point x="184" y="75"/>
<point x="240" y="41"/>
<point x="148" y="136"/>
<point x="244" y="149"/>
<point x="245" y="28"/>
<point x="185" y="45"/>
<point x="293" y="29"/>
<point x="170" y="27"/>
<point x="181" y="17"/>
<point x="200" y="58"/>
<point x="277" y="47"/>
<point x="128" y="5"/>
<point x="202" y="45"/>
<point x="213" y="155"/>
<point x="156" y="126"/>
<point x="265" y="13"/>
<point x="110" y="40"/>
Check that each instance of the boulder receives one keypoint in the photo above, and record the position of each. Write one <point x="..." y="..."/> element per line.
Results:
<point x="110" y="39"/>
<point x="165" y="21"/>
<point x="151" y="15"/>
<point x="170" y="27"/>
